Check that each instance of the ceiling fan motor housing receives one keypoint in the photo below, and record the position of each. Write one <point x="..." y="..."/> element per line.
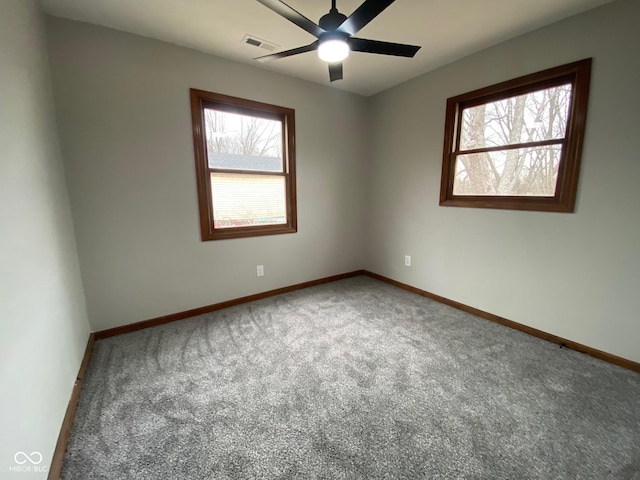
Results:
<point x="332" y="20"/>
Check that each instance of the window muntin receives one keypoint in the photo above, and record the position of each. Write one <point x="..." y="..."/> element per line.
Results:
<point x="245" y="164"/>
<point x="517" y="145"/>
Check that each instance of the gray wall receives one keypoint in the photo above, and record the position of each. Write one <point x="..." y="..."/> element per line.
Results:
<point x="44" y="320"/>
<point x="125" y="129"/>
<point x="574" y="275"/>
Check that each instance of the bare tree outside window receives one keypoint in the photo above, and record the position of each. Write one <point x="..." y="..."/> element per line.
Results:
<point x="517" y="144"/>
<point x="236" y="134"/>
<point x="535" y="117"/>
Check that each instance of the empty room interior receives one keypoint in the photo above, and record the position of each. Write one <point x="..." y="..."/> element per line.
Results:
<point x="418" y="261"/>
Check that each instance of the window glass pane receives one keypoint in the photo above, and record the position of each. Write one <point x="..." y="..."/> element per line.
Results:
<point x="243" y="142"/>
<point x="240" y="200"/>
<point x="524" y="171"/>
<point x="536" y="116"/>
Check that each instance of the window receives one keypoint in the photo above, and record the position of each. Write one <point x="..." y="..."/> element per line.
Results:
<point x="517" y="145"/>
<point x="245" y="166"/>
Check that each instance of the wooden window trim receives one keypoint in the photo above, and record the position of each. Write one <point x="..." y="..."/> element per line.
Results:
<point x="578" y="74"/>
<point x="201" y="99"/>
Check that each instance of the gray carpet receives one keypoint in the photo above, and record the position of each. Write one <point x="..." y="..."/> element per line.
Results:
<point x="353" y="379"/>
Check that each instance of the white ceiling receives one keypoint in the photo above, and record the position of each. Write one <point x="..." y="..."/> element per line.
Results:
<point x="446" y="29"/>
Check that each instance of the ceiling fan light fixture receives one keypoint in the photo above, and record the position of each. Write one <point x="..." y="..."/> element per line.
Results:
<point x="333" y="50"/>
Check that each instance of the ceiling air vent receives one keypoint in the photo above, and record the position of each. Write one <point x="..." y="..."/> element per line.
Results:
<point x="258" y="42"/>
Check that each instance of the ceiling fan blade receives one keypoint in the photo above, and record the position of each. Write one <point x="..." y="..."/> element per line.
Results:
<point x="366" y="12"/>
<point x="335" y="71"/>
<point x="288" y="53"/>
<point x="293" y="16"/>
<point x="382" y="48"/>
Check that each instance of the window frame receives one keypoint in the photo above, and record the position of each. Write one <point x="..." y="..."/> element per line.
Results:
<point x="578" y="74"/>
<point x="200" y="100"/>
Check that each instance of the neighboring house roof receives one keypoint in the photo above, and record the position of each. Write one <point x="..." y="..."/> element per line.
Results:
<point x="244" y="162"/>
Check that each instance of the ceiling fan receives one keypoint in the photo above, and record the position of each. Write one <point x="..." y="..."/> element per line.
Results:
<point x="334" y="33"/>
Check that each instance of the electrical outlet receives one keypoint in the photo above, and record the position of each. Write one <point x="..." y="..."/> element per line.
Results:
<point x="260" y="270"/>
<point x="407" y="260"/>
